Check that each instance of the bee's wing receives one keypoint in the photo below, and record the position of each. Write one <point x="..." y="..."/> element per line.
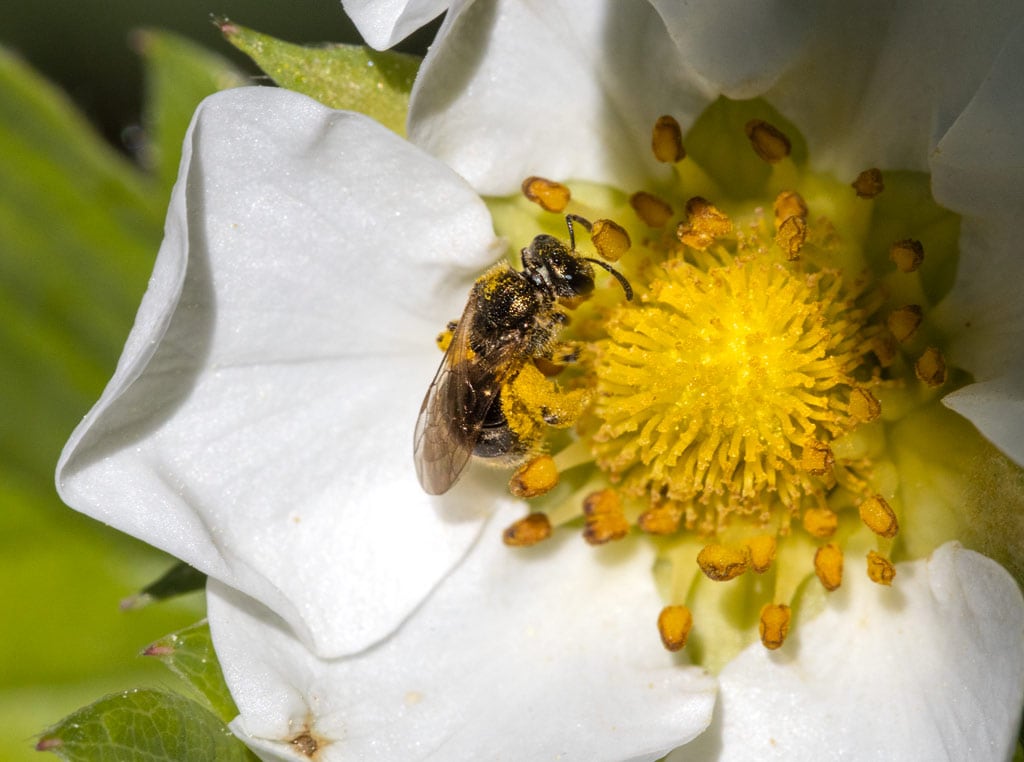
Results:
<point x="455" y="407"/>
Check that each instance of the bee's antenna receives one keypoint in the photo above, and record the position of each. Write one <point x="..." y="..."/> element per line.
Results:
<point x="618" y="276"/>
<point x="571" y="218"/>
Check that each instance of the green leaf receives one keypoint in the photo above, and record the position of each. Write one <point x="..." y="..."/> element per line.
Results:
<point x="352" y="77"/>
<point x="80" y="225"/>
<point x="189" y="654"/>
<point x="179" y="74"/>
<point x="78" y="231"/>
<point x="143" y="724"/>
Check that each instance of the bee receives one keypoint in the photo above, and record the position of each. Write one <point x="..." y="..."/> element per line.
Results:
<point x="511" y="317"/>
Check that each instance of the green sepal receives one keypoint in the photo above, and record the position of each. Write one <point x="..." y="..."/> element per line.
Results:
<point x="144" y="724"/>
<point x="351" y="77"/>
<point x="178" y="580"/>
<point x="189" y="654"/>
<point x="179" y="74"/>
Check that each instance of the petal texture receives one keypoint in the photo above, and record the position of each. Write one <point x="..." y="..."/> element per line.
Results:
<point x="259" y="424"/>
<point x="978" y="171"/>
<point x="384" y="23"/>
<point x="874" y="87"/>
<point x="739" y="47"/>
<point x="520" y="654"/>
<point x="567" y="90"/>
<point x="932" y="668"/>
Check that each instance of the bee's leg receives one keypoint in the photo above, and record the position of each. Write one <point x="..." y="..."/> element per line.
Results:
<point x="444" y="339"/>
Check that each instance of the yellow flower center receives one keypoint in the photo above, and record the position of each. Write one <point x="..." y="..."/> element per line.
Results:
<point x="737" y="410"/>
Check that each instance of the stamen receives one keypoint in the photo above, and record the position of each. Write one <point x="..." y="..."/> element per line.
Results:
<point x="774" y="625"/>
<point x="820" y="522"/>
<point x="551" y="196"/>
<point x="864" y="406"/>
<point x="868" y="183"/>
<point x="791" y="236"/>
<point x="879" y="517"/>
<point x="664" y="519"/>
<point x="528" y="531"/>
<point x="610" y="239"/>
<point x="674" y="625"/>
<point x="817" y="458"/>
<point x="768" y="141"/>
<point x="828" y="565"/>
<point x="931" y="367"/>
<point x="604" y="518"/>
<point x="762" y="549"/>
<point x="654" y="211"/>
<point x="704" y="224"/>
<point x="908" y="255"/>
<point x="667" y="141"/>
<point x="880" y="569"/>
<point x="904" y="322"/>
<point x="534" y="478"/>
<point x="789" y="204"/>
<point x="722" y="563"/>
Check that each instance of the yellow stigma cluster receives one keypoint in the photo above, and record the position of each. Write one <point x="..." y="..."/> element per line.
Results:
<point x="721" y="390"/>
<point x="735" y="408"/>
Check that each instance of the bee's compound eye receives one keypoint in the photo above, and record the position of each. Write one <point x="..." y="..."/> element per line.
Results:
<point x="570" y="275"/>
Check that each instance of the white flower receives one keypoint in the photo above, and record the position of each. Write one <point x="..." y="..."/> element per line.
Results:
<point x="259" y="423"/>
<point x="259" y="426"/>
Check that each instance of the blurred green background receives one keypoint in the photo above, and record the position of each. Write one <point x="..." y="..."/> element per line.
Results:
<point x="84" y="179"/>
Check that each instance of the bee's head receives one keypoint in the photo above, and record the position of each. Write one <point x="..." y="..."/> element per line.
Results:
<point x="565" y="273"/>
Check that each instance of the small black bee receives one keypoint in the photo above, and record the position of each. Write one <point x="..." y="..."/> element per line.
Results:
<point x="511" y="318"/>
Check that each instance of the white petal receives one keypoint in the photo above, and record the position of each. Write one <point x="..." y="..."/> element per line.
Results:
<point x="978" y="171"/>
<point x="739" y="47"/>
<point x="876" y="87"/>
<point x="383" y="23"/>
<point x="545" y="653"/>
<point x="932" y="668"/>
<point x="259" y="423"/>
<point x="567" y="90"/>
